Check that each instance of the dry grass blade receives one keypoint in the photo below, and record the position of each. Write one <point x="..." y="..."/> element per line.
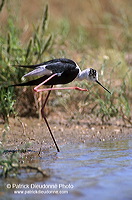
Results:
<point x="45" y="18"/>
<point x="2" y="5"/>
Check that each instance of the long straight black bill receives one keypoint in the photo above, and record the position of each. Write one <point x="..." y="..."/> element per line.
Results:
<point x="103" y="86"/>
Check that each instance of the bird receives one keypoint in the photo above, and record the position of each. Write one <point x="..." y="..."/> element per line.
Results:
<point x="55" y="72"/>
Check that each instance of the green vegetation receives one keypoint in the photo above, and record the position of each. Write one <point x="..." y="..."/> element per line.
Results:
<point x="11" y="166"/>
<point x="12" y="53"/>
<point x="9" y="163"/>
<point x="101" y="40"/>
<point x="12" y="163"/>
<point x="7" y="103"/>
<point x="109" y="60"/>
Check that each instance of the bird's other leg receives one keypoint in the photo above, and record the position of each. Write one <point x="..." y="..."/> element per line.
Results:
<point x="44" y="117"/>
<point x="62" y="88"/>
<point x="36" y="88"/>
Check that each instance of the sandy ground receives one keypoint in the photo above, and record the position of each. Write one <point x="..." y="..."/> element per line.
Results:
<point x="32" y="133"/>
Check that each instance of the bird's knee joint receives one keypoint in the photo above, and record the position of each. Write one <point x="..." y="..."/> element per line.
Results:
<point x="59" y="74"/>
<point x="77" y="88"/>
<point x="35" y="89"/>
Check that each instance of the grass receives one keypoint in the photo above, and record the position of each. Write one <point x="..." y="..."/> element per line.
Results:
<point x="109" y="60"/>
<point x="101" y="40"/>
<point x="7" y="103"/>
<point x="13" y="162"/>
<point x="106" y="54"/>
<point x="13" y="53"/>
<point x="10" y="166"/>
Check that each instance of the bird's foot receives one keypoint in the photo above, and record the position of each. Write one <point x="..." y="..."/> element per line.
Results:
<point x="80" y="89"/>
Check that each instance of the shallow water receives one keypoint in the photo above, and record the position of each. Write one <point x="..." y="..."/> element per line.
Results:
<point x="94" y="171"/>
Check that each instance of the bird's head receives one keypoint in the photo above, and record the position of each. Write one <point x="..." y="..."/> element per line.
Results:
<point x="92" y="75"/>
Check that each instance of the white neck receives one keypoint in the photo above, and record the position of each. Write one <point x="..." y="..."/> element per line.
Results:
<point x="83" y="75"/>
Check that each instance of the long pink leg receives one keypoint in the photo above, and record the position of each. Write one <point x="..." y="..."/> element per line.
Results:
<point x="64" y="88"/>
<point x="49" y="91"/>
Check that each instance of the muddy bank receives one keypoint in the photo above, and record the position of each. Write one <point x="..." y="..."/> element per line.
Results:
<point x="32" y="133"/>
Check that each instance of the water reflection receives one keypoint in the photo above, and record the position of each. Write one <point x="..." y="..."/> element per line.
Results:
<point x="103" y="169"/>
<point x="96" y="171"/>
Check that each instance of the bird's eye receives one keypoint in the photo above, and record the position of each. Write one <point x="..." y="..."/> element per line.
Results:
<point x="92" y="73"/>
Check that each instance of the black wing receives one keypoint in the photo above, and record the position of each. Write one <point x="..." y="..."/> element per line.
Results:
<point x="66" y="67"/>
<point x="60" y="65"/>
<point x="66" y="77"/>
<point x="51" y="63"/>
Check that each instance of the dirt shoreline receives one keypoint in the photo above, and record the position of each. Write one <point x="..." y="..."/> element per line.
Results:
<point x="32" y="133"/>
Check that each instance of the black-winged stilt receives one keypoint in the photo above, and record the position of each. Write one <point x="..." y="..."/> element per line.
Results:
<point x="57" y="71"/>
